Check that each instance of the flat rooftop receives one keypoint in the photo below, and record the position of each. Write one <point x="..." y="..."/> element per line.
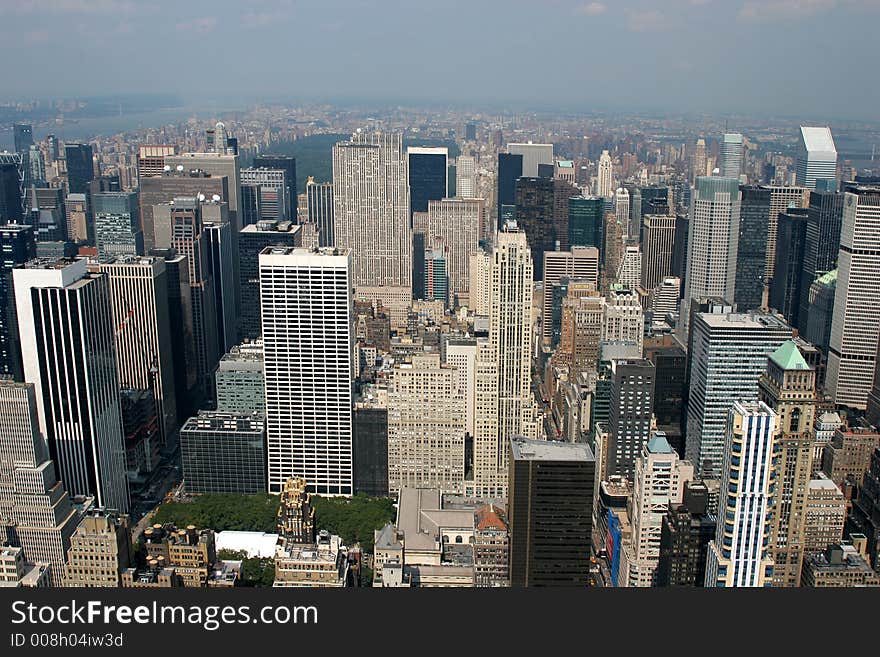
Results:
<point x="550" y="450"/>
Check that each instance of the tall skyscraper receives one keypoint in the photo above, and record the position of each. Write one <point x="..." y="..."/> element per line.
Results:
<point x="427" y="417"/>
<point x="504" y="405"/>
<point x="582" y="262"/>
<point x="658" y="248"/>
<point x="264" y="196"/>
<point x="550" y="510"/>
<point x="731" y="155"/>
<point x="286" y="163"/>
<point x="629" y="271"/>
<point x="35" y="511"/>
<point x="788" y="386"/>
<point x="751" y="252"/>
<point x="117" y="220"/>
<point x="632" y="405"/>
<point x="319" y="197"/>
<point x="68" y="354"/>
<point x="821" y="245"/>
<point x="785" y="286"/>
<point x="456" y="222"/>
<point x="11" y="187"/>
<point x="855" y="325"/>
<point x="698" y="161"/>
<point x="782" y="199"/>
<point x="80" y="167"/>
<point x="465" y="176"/>
<point x="373" y="220"/>
<point x="22" y="137"/>
<point x="427" y="177"/>
<point x="217" y="165"/>
<point x="817" y="157"/>
<point x="461" y="353"/>
<point x="308" y="370"/>
<point x="510" y="169"/>
<point x="659" y="484"/>
<point x="728" y="352"/>
<point x="17" y="246"/>
<point x="151" y="159"/>
<point x="533" y="155"/>
<point x="221" y="263"/>
<point x="712" y="242"/>
<point x="605" y="177"/>
<point x="740" y="555"/>
<point x="624" y="319"/>
<point x="623" y="212"/>
<point x="586" y="223"/>
<point x="684" y="539"/>
<point x="534" y="215"/>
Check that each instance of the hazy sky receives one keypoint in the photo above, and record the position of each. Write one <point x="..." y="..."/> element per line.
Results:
<point x="795" y="57"/>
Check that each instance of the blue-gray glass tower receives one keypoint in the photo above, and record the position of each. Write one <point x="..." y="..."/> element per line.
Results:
<point x="510" y="169"/>
<point x="427" y="178"/>
<point x="17" y="246"/>
<point x="785" y="287"/>
<point x="821" y="244"/>
<point x="10" y="192"/>
<point x="751" y="256"/>
<point x="80" y="168"/>
<point x="586" y="223"/>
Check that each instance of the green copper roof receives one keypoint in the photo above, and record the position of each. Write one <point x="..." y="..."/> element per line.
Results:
<point x="658" y="444"/>
<point x="829" y="278"/>
<point x="789" y="357"/>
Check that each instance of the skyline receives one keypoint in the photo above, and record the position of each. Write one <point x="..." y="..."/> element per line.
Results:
<point x="654" y="56"/>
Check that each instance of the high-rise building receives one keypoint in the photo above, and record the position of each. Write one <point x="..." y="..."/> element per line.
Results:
<point x="510" y="169"/>
<point x="534" y="215"/>
<point x="550" y="511"/>
<point x="578" y="321"/>
<point x="239" y="380"/>
<point x="699" y="164"/>
<point x="659" y="485"/>
<point x="712" y="242"/>
<point x="17" y="246"/>
<point x="286" y="163"/>
<point x="319" y="197"/>
<point x="622" y="211"/>
<point x="629" y="422"/>
<point x="461" y="353"/>
<point x="117" y="222"/>
<point x="825" y="515"/>
<point x="865" y="516"/>
<point x="427" y="418"/>
<point x="581" y="262"/>
<point x="456" y="222"/>
<point x="731" y="155"/>
<point x="629" y="270"/>
<point x="22" y="137"/>
<point x="817" y="157"/>
<point x="658" y="248"/>
<point x="751" y="251"/>
<point x="848" y="455"/>
<point x="605" y="176"/>
<point x="788" y="386"/>
<point x="308" y="370"/>
<point x="11" y="187"/>
<point x="80" y="167"/>
<point x="151" y="159"/>
<point x="586" y="224"/>
<point x="740" y="555"/>
<point x="624" y="319"/>
<point x="785" y="286"/>
<point x="264" y="196"/>
<point x="821" y="245"/>
<point x="840" y="565"/>
<point x="36" y="513"/>
<point x="373" y="219"/>
<point x="684" y="539"/>
<point x="427" y="179"/>
<point x="504" y="404"/>
<point x="66" y="334"/>
<point x="100" y="549"/>
<point x="222" y="265"/>
<point x="223" y="453"/>
<point x="855" y="325"/>
<point x="532" y="156"/>
<point x="465" y="176"/>
<point x="782" y="199"/>
<point x="820" y="310"/>
<point x="216" y="165"/>
<point x="728" y="352"/>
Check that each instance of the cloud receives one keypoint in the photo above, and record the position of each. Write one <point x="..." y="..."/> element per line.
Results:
<point x="647" y="20"/>
<point x="49" y="7"/>
<point x="201" y="25"/>
<point x="768" y="9"/>
<point x="591" y="9"/>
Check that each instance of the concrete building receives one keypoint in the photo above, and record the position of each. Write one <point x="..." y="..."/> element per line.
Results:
<point x="605" y="176"/>
<point x="17" y="246"/>
<point x="658" y="248"/>
<point x="223" y="453"/>
<point x="581" y="262"/>
<point x="100" y="549"/>
<point x="532" y="156"/>
<point x="839" y="566"/>
<point x="816" y="158"/>
<point x="624" y="319"/>
<point x="629" y="422"/>
<point x="322" y="564"/>
<point x="296" y="515"/>
<point x="465" y="176"/>
<point x="16" y="572"/>
<point x="491" y="548"/>
<point x="865" y="516"/>
<point x="239" y="380"/>
<point x="117" y="222"/>
<point x="825" y="514"/>
<point x="461" y="353"/>
<point x="265" y="196"/>
<point x="684" y="539"/>
<point x="849" y="454"/>
<point x="457" y="222"/>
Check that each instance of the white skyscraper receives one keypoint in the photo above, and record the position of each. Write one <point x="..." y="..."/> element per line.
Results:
<point x="855" y="323"/>
<point x="504" y="406"/>
<point x="307" y="359"/>
<point x="465" y="176"/>
<point x="624" y="319"/>
<point x="740" y="554"/>
<point x="817" y="157"/>
<point x="731" y="155"/>
<point x="456" y="221"/>
<point x="66" y="332"/>
<point x="533" y="155"/>
<point x="622" y="209"/>
<point x="461" y="353"/>
<point x="371" y="211"/>
<point x="629" y="272"/>
<point x="605" y="177"/>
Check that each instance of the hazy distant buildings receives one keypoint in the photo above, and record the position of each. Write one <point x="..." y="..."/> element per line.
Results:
<point x="731" y="155"/>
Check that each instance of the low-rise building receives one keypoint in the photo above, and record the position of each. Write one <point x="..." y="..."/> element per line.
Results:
<point x="16" y="572"/>
<point x="839" y="566"/>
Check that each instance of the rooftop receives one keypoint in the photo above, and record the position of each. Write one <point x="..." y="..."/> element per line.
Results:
<point x="550" y="450"/>
<point x="818" y="139"/>
<point x="789" y="357"/>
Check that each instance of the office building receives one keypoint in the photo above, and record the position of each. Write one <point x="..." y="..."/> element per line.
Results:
<point x="728" y="352"/>
<point x="217" y="165"/>
<point x="752" y="242"/>
<point x="586" y="224"/>
<point x="819" y="310"/>
<point x="685" y="535"/>
<point x="825" y="515"/>
<point x="785" y="286"/>
<point x="629" y="270"/>
<point x="491" y="548"/>
<point x="659" y="478"/>
<point x="578" y="322"/>
<point x="22" y="137"/>
<point x="461" y="353"/>
<point x="510" y="169"/>
<point x="264" y="196"/>
<point x="581" y="262"/>
<point x="16" y="572"/>
<point x="222" y="266"/>
<point x="465" y="176"/>
<point x="117" y="222"/>
<point x="624" y="319"/>
<point x="848" y="455"/>
<point x="456" y="222"/>
<point x="550" y="512"/>
<point x="370" y="446"/>
<point x="821" y="248"/>
<point x="658" y="247"/>
<point x="100" y="549"/>
<point x="139" y="305"/>
<point x="65" y="310"/>
<point x="841" y="566"/>
<point x="151" y="159"/>
<point x="239" y="380"/>
<point x="864" y="518"/>
<point x="319" y="199"/>
<point x="223" y="453"/>
<point x="36" y="513"/>
<point x="670" y="387"/>
<point x="816" y="158"/>
<point x="287" y="164"/>
<point x="427" y="177"/>
<point x="17" y="246"/>
<point x="741" y="555"/>
<point x="80" y="167"/>
<point x="373" y="220"/>
<point x="731" y="155"/>
<point x="532" y="156"/>
<point x="534" y="215"/>
<point x="427" y="422"/>
<point x="852" y="351"/>
<point x="621" y="207"/>
<point x="308" y="370"/>
<point x="436" y="280"/>
<point x="629" y="422"/>
<point x="11" y="187"/>
<point x="788" y="386"/>
<point x="604" y="176"/>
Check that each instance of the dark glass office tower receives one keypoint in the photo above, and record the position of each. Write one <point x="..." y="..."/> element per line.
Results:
<point x="17" y="246"/>
<point x="510" y="169"/>
<point x="534" y="215"/>
<point x="670" y="387"/>
<point x="470" y="132"/>
<point x="287" y="164"/>
<point x="80" y="167"/>
<point x="751" y="255"/>
<point x="23" y="137"/>
<point x="550" y="510"/>
<point x="10" y="193"/>
<point x="821" y="244"/>
<point x="629" y="420"/>
<point x="427" y="177"/>
<point x="684" y="539"/>
<point x="370" y="450"/>
<point x="586" y="223"/>
<point x="785" y="287"/>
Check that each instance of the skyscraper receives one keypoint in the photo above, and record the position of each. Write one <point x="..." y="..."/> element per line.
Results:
<point x="68" y="354"/>
<point x="117" y="221"/>
<point x="623" y="212"/>
<point x="427" y="178"/>
<point x="22" y="137"/>
<point x="264" y="196"/>
<point x="510" y="169"/>
<point x="80" y="167"/>
<point x="785" y="286"/>
<point x="698" y="161"/>
<point x="740" y="555"/>
<point x="533" y="155"/>
<point x="586" y="223"/>
<point x="11" y="210"/>
<point x="604" y="176"/>
<point x="456" y="222"/>
<point x="817" y="157"/>
<point x="17" y="246"/>
<point x="788" y="386"/>
<point x="728" y="353"/>
<point x="224" y="453"/>
<point x="751" y="252"/>
<point x="731" y="155"/>
<point x="550" y="510"/>
<point x="855" y="325"/>
<point x="373" y="219"/>
<point x="658" y="247"/>
<point x="217" y="165"/>
<point x="151" y="159"/>
<point x="307" y="340"/>
<point x="319" y="197"/>
<point x="534" y="215"/>
<point x="582" y="262"/>
<point x="465" y="176"/>
<point x="821" y="245"/>
<point x="632" y="405"/>
<point x="287" y="164"/>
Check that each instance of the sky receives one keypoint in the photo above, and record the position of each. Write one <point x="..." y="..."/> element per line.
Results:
<point x="770" y="57"/>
